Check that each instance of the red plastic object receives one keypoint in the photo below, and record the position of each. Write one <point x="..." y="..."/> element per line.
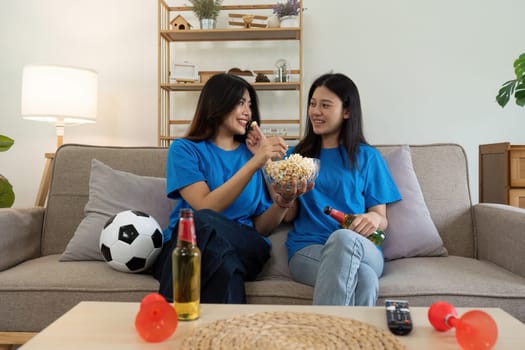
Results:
<point x="475" y="330"/>
<point x="439" y="313"/>
<point x="156" y="320"/>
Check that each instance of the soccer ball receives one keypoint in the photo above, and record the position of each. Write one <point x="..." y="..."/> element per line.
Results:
<point x="131" y="241"/>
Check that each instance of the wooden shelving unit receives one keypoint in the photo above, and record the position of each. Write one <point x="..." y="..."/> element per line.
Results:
<point x="168" y="35"/>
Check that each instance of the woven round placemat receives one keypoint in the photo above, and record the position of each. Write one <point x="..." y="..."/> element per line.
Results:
<point x="290" y="330"/>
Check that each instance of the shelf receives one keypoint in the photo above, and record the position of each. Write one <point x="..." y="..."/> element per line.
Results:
<point x="233" y="34"/>
<point x="257" y="86"/>
<point x="170" y="120"/>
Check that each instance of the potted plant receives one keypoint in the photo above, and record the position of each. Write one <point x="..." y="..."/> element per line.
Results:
<point x="7" y="196"/>
<point x="514" y="87"/>
<point x="207" y="12"/>
<point x="287" y="13"/>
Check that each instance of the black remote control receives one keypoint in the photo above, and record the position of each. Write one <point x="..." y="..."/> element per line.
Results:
<point x="398" y="316"/>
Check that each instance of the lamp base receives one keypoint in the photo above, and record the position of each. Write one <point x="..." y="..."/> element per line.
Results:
<point x="60" y="134"/>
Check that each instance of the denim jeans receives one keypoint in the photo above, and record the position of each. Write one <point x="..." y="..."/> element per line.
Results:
<point x="231" y="254"/>
<point x="343" y="271"/>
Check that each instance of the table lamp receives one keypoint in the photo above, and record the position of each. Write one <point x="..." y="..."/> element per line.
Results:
<point x="59" y="94"/>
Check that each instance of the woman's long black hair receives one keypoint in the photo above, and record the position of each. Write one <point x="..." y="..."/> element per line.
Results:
<point x="351" y="134"/>
<point x="219" y="96"/>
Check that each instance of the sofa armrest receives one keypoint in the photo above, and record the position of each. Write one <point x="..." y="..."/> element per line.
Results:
<point x="20" y="235"/>
<point x="501" y="235"/>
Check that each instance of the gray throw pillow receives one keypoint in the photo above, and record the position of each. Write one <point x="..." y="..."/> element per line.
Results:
<point x="411" y="231"/>
<point x="110" y="192"/>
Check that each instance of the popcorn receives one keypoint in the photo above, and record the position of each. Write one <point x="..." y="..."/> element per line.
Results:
<point x="295" y="167"/>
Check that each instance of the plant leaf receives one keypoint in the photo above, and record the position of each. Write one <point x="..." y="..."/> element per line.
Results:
<point x="519" y="93"/>
<point x="506" y="90"/>
<point x="5" y="143"/>
<point x="7" y="196"/>
<point x="519" y="65"/>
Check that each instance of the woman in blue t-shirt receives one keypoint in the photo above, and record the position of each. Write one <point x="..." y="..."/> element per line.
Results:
<point x="342" y="264"/>
<point x="213" y="171"/>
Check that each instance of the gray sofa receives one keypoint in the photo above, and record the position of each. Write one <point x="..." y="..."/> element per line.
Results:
<point x="485" y="266"/>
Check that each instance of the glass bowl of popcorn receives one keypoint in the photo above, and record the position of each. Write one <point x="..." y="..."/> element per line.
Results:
<point x="295" y="167"/>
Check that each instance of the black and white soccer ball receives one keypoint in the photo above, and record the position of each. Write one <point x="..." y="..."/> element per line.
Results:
<point x="131" y="241"/>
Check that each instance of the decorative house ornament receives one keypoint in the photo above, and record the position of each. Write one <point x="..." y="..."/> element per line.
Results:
<point x="180" y="23"/>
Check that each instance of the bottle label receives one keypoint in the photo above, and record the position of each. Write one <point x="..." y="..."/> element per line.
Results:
<point x="187" y="231"/>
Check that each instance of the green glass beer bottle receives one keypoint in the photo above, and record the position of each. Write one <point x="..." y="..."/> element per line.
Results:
<point x="377" y="237"/>
<point x="186" y="260"/>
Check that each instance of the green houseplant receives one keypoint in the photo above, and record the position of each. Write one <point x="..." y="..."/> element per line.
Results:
<point x="207" y="12"/>
<point x="7" y="196"/>
<point x="514" y="87"/>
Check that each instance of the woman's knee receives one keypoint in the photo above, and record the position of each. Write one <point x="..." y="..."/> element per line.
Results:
<point x="343" y="237"/>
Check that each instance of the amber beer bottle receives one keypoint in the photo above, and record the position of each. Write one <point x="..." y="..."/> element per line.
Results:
<point x="377" y="237"/>
<point x="186" y="260"/>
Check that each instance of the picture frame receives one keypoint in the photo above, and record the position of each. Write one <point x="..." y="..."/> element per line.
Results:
<point x="185" y="72"/>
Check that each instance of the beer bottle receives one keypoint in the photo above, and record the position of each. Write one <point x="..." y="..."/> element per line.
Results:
<point x="377" y="237"/>
<point x="186" y="260"/>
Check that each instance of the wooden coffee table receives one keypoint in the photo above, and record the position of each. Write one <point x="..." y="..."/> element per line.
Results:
<point x="110" y="325"/>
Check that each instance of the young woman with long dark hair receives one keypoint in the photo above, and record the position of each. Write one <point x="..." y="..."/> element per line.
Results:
<point x="342" y="264"/>
<point x="216" y="173"/>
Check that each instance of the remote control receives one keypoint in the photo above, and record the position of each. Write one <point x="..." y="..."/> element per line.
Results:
<point x="398" y="316"/>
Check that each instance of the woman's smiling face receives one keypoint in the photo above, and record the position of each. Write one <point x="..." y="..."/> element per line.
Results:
<point x="236" y="122"/>
<point x="326" y="112"/>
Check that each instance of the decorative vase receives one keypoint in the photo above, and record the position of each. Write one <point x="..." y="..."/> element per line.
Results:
<point x="289" y="21"/>
<point x="207" y="23"/>
<point x="273" y="22"/>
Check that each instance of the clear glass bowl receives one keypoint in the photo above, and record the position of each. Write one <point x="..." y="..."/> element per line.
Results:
<point x="283" y="172"/>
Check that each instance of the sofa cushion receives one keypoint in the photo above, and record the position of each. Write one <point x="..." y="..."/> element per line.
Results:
<point x="277" y="265"/>
<point x="411" y="231"/>
<point x="464" y="282"/>
<point x="36" y="292"/>
<point x="20" y="231"/>
<point x="110" y="192"/>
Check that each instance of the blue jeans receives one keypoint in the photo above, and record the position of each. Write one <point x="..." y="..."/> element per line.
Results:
<point x="343" y="271"/>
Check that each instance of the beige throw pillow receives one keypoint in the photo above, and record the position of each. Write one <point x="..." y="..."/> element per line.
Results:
<point x="110" y="192"/>
<point x="411" y="231"/>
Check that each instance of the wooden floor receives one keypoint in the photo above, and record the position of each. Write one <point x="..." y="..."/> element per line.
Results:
<point x="10" y="339"/>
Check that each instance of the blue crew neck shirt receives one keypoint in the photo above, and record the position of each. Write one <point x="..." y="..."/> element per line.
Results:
<point x="193" y="161"/>
<point x="345" y="188"/>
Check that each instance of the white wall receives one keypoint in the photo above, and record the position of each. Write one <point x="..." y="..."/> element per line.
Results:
<point x="428" y="70"/>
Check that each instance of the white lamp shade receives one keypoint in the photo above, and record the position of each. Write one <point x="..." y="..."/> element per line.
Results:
<point x="59" y="94"/>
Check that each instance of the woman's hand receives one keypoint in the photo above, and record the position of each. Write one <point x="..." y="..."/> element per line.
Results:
<point x="367" y="223"/>
<point x="253" y="137"/>
<point x="265" y="148"/>
<point x="292" y="190"/>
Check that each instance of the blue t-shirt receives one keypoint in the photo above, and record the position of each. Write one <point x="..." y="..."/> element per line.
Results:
<point x="345" y="188"/>
<point x="190" y="162"/>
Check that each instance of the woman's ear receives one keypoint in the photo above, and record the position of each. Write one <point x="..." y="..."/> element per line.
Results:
<point x="346" y="114"/>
